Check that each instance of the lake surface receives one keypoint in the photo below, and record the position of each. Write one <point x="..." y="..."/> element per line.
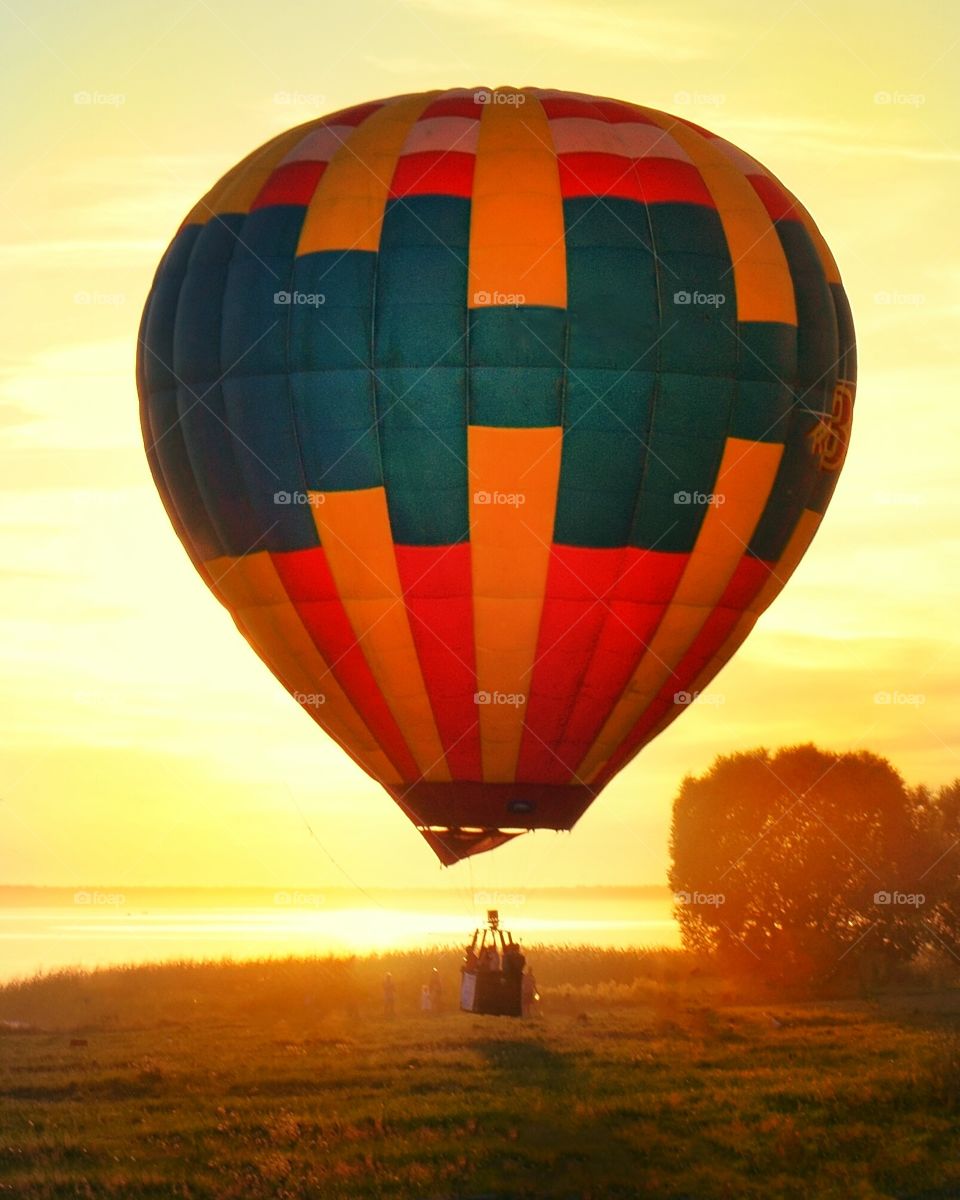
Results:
<point x="46" y="929"/>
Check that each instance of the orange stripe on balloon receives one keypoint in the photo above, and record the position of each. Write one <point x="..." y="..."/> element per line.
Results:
<point x="743" y="485"/>
<point x="354" y="529"/>
<point x="346" y="212"/>
<point x="763" y="284"/>
<point x="517" y="241"/>
<point x="513" y="476"/>
<point x="749" y="166"/>
<point x="258" y="603"/>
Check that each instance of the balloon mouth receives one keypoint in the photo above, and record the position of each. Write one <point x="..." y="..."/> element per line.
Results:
<point x="469" y="817"/>
<point x="451" y="845"/>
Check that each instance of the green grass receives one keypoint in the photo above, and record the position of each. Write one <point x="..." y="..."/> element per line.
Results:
<point x="282" y="1080"/>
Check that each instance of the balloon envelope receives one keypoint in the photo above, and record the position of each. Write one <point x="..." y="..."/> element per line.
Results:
<point x="495" y="419"/>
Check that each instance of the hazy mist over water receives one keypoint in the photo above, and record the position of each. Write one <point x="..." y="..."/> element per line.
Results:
<point x="50" y="928"/>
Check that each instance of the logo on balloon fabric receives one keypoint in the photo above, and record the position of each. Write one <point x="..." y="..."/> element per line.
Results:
<point x="830" y="436"/>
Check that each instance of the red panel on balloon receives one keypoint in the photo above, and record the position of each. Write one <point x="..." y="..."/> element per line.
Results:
<point x="749" y="577"/>
<point x="294" y="183"/>
<point x="603" y="110"/>
<point x="635" y="587"/>
<point x="433" y="173"/>
<point x="775" y="200"/>
<point x="306" y="577"/>
<point x="454" y="106"/>
<point x="649" y="180"/>
<point x="578" y="582"/>
<point x="438" y="589"/>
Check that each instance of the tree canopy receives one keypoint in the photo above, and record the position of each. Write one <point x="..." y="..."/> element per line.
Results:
<point x="806" y="862"/>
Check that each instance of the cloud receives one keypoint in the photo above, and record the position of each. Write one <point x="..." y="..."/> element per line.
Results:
<point x="80" y="395"/>
<point x="66" y="469"/>
<point x="404" y="65"/>
<point x="620" y="31"/>
<point x="60" y="252"/>
<point x="846" y="138"/>
<point x="14" y="414"/>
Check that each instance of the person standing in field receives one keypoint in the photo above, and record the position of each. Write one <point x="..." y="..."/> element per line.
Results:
<point x="389" y="996"/>
<point x="425" y="998"/>
<point x="436" y="990"/>
<point x="528" y="993"/>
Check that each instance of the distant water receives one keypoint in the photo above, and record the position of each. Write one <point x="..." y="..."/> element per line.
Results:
<point x="45" y="929"/>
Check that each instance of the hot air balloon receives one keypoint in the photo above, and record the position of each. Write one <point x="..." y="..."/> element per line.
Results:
<point x="496" y="418"/>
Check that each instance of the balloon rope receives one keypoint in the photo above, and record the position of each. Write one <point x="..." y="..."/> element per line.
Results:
<point x="470" y="907"/>
<point x="343" y="871"/>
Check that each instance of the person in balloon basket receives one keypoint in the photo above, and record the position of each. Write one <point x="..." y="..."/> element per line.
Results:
<point x="490" y="958"/>
<point x="513" y="961"/>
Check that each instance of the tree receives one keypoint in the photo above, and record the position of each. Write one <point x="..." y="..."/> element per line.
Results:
<point x="941" y="877"/>
<point x="800" y="864"/>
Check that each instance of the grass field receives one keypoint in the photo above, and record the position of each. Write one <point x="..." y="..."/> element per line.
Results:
<point x="283" y="1079"/>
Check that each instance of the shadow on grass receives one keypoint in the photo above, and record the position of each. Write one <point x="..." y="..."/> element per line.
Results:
<point x="523" y="1059"/>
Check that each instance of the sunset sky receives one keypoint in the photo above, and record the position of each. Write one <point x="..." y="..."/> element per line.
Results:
<point x="142" y="740"/>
